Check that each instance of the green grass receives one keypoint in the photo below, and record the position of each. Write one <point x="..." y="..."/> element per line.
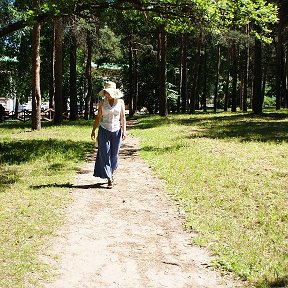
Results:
<point x="229" y="173"/>
<point x="36" y="170"/>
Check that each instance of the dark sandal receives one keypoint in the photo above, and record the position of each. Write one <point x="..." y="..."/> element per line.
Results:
<point x="109" y="184"/>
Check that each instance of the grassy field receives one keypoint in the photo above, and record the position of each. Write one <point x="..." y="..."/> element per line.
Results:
<point x="229" y="173"/>
<point x="36" y="169"/>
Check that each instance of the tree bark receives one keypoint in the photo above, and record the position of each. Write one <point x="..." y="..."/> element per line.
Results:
<point x="215" y="103"/>
<point x="286" y="75"/>
<point x="257" y="101"/>
<point x="180" y="75"/>
<point x="52" y="69"/>
<point x="234" y="78"/>
<point x="73" y="74"/>
<point x="264" y="78"/>
<point x="131" y="106"/>
<point x="244" y="82"/>
<point x="204" y="96"/>
<point x="88" y="75"/>
<point x="58" y="117"/>
<point x="36" y="92"/>
<point x="135" y="79"/>
<point x="226" y="95"/>
<point x="195" y="83"/>
<point x="279" y="58"/>
<point x="183" y="73"/>
<point x="16" y="108"/>
<point x="163" y="110"/>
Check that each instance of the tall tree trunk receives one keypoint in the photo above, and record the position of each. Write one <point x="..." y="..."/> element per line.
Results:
<point x="58" y="117"/>
<point x="234" y="78"/>
<point x="264" y="81"/>
<point x="183" y="74"/>
<point x="244" y="82"/>
<point x="88" y="75"/>
<point x="226" y="94"/>
<point x="215" y="104"/>
<point x="204" y="96"/>
<point x="131" y="110"/>
<point x="163" y="109"/>
<point x="279" y="58"/>
<point x="52" y="69"/>
<point x="16" y="108"/>
<point x="278" y="75"/>
<point x="257" y="95"/>
<point x="36" y="93"/>
<point x="135" y="80"/>
<point x="286" y="74"/>
<point x="195" y="83"/>
<point x="73" y="74"/>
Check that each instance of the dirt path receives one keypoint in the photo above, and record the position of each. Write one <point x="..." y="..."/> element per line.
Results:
<point x="130" y="236"/>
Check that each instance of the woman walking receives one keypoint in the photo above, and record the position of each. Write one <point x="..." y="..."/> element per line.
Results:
<point x="111" y="132"/>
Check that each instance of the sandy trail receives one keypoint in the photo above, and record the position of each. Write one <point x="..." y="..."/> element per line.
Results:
<point x="130" y="236"/>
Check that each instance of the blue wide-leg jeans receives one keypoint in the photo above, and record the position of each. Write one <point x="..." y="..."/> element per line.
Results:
<point x="108" y="151"/>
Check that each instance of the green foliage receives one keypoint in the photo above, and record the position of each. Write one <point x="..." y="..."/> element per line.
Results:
<point x="216" y="17"/>
<point x="269" y="102"/>
<point x="107" y="48"/>
<point x="172" y="97"/>
<point x="263" y="15"/>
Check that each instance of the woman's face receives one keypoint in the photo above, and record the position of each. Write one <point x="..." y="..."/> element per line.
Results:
<point x="107" y="95"/>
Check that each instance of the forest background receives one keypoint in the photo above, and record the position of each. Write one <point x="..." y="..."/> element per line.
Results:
<point x="172" y="56"/>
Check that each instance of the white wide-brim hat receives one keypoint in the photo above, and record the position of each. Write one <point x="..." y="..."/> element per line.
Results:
<point x="110" y="87"/>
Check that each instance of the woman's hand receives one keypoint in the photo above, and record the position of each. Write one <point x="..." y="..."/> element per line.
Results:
<point x="93" y="135"/>
<point x="123" y="120"/>
<point x="96" y="121"/>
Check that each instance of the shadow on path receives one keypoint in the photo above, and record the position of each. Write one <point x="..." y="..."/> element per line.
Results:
<point x="69" y="185"/>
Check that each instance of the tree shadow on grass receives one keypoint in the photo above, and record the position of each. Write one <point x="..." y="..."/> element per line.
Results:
<point x="216" y="120"/>
<point x="150" y="121"/>
<point x="246" y="129"/>
<point x="257" y="131"/>
<point x="17" y="152"/>
<point x="16" y="124"/>
<point x="8" y="176"/>
<point x="281" y="282"/>
<point x="264" y="128"/>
